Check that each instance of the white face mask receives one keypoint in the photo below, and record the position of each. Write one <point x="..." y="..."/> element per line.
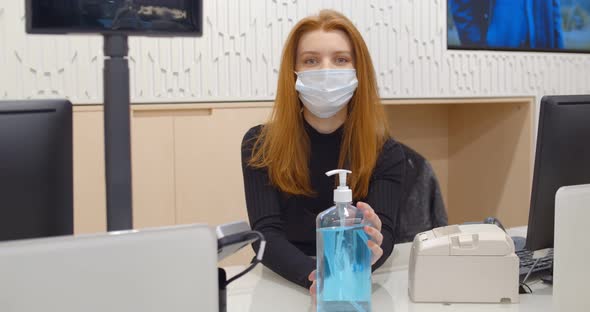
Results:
<point x="325" y="92"/>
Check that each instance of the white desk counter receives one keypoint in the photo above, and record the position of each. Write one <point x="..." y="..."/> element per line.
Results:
<point x="262" y="290"/>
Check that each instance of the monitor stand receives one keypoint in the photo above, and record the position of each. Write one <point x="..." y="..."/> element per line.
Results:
<point x="117" y="133"/>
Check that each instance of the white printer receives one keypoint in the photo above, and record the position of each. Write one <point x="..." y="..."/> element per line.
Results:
<point x="463" y="263"/>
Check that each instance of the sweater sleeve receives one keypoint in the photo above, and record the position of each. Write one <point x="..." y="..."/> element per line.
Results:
<point x="384" y="194"/>
<point x="264" y="214"/>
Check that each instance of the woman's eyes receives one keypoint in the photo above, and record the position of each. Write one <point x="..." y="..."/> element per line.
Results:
<point x="310" y="61"/>
<point x="338" y="60"/>
<point x="342" y="60"/>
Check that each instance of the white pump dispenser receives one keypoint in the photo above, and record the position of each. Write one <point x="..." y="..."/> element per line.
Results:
<point x="342" y="194"/>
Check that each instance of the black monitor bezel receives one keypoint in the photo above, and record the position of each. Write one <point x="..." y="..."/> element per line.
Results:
<point x="540" y="238"/>
<point x="63" y="223"/>
<point x="197" y="20"/>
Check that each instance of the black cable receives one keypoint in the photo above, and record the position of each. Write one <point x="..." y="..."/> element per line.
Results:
<point x="527" y="286"/>
<point x="492" y="220"/>
<point x="252" y="265"/>
<point x="531" y="270"/>
<point x="255" y="261"/>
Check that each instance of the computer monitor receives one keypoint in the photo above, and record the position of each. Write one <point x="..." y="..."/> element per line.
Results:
<point x="562" y="158"/>
<point x="36" y="197"/>
<point x="125" y="17"/>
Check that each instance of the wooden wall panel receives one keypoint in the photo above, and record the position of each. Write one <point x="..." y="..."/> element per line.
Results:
<point x="154" y="184"/>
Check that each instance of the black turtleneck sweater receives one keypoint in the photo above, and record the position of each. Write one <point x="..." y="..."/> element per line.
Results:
<point x="288" y="222"/>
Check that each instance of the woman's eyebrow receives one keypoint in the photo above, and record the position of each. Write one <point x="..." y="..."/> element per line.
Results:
<point x="333" y="52"/>
<point x="309" y="52"/>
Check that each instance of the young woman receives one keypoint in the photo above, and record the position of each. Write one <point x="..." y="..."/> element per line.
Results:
<point x="327" y="115"/>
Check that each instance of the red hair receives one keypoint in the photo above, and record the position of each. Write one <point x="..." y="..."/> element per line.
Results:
<point x="283" y="145"/>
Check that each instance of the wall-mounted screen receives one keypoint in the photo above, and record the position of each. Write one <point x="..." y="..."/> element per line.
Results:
<point x="129" y="17"/>
<point x="530" y="25"/>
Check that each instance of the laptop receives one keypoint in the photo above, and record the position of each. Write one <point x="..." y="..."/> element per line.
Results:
<point x="163" y="269"/>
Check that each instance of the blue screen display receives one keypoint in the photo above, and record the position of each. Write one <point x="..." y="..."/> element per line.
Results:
<point x="543" y="25"/>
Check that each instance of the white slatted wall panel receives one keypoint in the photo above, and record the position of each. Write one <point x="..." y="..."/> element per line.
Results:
<point x="238" y="57"/>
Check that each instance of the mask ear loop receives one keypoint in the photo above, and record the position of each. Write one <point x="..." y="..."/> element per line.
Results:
<point x="300" y="104"/>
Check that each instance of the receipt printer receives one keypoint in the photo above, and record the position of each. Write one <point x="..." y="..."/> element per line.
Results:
<point x="463" y="263"/>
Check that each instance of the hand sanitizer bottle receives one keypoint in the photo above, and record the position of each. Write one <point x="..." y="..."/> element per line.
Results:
<point x="343" y="257"/>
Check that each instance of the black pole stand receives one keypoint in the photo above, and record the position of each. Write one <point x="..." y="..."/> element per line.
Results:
<point x="117" y="133"/>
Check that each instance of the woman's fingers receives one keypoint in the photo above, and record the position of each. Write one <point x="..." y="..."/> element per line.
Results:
<point x="370" y="215"/>
<point x="312" y="276"/>
<point x="312" y="289"/>
<point x="313" y="294"/>
<point x="376" y="236"/>
<point x="376" y="251"/>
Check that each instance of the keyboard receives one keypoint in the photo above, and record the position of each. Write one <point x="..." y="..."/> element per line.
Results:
<point x="526" y="261"/>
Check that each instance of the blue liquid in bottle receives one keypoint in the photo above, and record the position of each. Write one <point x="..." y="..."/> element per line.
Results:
<point x="346" y="263"/>
<point x="343" y="256"/>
